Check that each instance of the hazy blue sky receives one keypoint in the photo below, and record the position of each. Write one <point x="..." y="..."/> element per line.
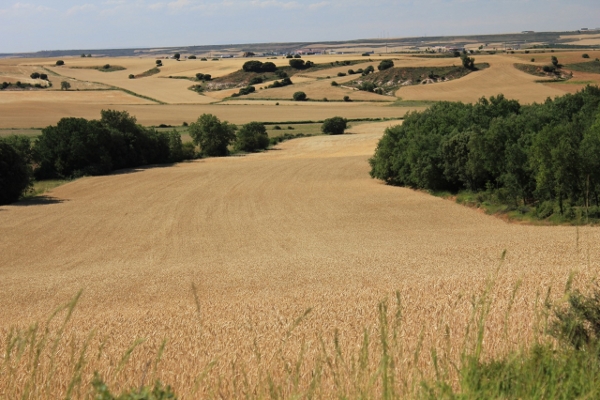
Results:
<point x="33" y="25"/>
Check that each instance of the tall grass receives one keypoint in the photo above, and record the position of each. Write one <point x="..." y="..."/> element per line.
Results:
<point x="46" y="361"/>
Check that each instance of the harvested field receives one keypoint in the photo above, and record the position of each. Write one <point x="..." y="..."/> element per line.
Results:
<point x="264" y="237"/>
<point x="501" y="77"/>
<point x="27" y="114"/>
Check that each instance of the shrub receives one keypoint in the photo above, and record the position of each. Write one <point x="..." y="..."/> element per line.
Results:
<point x="297" y="64"/>
<point x="159" y="63"/>
<point x="256" y="80"/>
<point x="203" y="59"/>
<point x="281" y="74"/>
<point x="188" y="150"/>
<point x="192" y="57"/>
<point x="299" y="96"/>
<point x="60" y="62"/>
<point x="385" y="64"/>
<point x="177" y="56"/>
<point x="297" y="56"/>
<point x="351" y="72"/>
<point x="106" y="66"/>
<point x="175" y="146"/>
<point x="64" y="85"/>
<point x="5" y="85"/>
<point x="252" y="137"/>
<point x="367" y="87"/>
<point x="212" y="135"/>
<point x="15" y="173"/>
<point x="347" y="98"/>
<point x="341" y="74"/>
<point x="533" y="60"/>
<point x="334" y="83"/>
<point x="131" y="76"/>
<point x="585" y="55"/>
<point x="44" y="77"/>
<point x="334" y="126"/>
<point x="277" y="128"/>
<point x="247" y="90"/>
<point x="468" y="62"/>
<point x="368" y="70"/>
<point x="366" y="54"/>
<point x="35" y="75"/>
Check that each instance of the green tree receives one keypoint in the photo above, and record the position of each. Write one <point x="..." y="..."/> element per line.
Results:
<point x="467" y="62"/>
<point x="385" y="64"/>
<point x="177" y="56"/>
<point x="297" y="63"/>
<point x="299" y="96"/>
<point x="64" y="85"/>
<point x="252" y="137"/>
<point x="334" y="126"/>
<point x="15" y="174"/>
<point x="175" y="146"/>
<point x="60" y="62"/>
<point x="212" y="135"/>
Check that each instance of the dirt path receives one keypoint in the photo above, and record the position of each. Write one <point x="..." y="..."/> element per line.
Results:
<point x="264" y="237"/>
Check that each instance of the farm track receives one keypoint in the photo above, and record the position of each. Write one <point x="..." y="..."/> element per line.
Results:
<point x="264" y="237"/>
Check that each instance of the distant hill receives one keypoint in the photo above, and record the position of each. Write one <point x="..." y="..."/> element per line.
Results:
<point x="560" y="39"/>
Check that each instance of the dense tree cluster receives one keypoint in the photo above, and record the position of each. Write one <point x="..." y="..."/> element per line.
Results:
<point x="334" y="126"/>
<point x="544" y="155"/>
<point x="258" y="66"/>
<point x="298" y="63"/>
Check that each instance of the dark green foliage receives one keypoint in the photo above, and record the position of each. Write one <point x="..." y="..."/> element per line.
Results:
<point x="585" y="55"/>
<point x="334" y="126"/>
<point x="64" y="85"/>
<point x="370" y="69"/>
<point x="158" y="63"/>
<point x="177" y="56"/>
<point x="44" y="77"/>
<point x="351" y="72"/>
<point x="258" y="66"/>
<point x="385" y="64"/>
<point x="282" y="83"/>
<point x="131" y="76"/>
<point x="334" y="83"/>
<point x="578" y="322"/>
<point x="203" y="77"/>
<point x="60" y="62"/>
<point x="256" y="80"/>
<point x="77" y="147"/>
<point x="341" y="74"/>
<point x="157" y="392"/>
<point x="252" y="137"/>
<point x="212" y="135"/>
<point x="297" y="63"/>
<point x="367" y="87"/>
<point x="297" y="56"/>
<point x="35" y="75"/>
<point x="281" y="74"/>
<point x="542" y="155"/>
<point x="15" y="173"/>
<point x="347" y="98"/>
<point x="299" y="96"/>
<point x="175" y="147"/>
<point x="467" y="62"/>
<point x="192" y="57"/>
<point x="244" y="91"/>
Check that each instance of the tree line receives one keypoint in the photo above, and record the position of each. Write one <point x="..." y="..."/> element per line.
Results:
<point x="545" y="155"/>
<point x="77" y="147"/>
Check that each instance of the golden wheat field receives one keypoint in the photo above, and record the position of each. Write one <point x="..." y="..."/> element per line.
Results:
<point x="264" y="238"/>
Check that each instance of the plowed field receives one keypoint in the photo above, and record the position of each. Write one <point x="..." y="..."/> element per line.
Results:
<point x="265" y="237"/>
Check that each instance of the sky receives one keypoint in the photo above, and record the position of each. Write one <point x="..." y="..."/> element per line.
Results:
<point x="32" y="25"/>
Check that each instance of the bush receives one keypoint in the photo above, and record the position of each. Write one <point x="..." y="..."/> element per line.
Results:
<point x="340" y="74"/>
<point x="188" y="150"/>
<point x="15" y="174"/>
<point x="367" y="87"/>
<point x="368" y="70"/>
<point x="131" y="76"/>
<point x="60" y="62"/>
<point x="106" y="66"/>
<point x="299" y="96"/>
<point x="334" y="126"/>
<point x="256" y="80"/>
<point x="334" y="83"/>
<point x="585" y="55"/>
<point x="385" y="64"/>
<point x="192" y="57"/>
<point x="35" y="75"/>
<point x="212" y="135"/>
<point x="297" y="63"/>
<point x="64" y="85"/>
<point x="247" y="90"/>
<point x="297" y="56"/>
<point x="44" y="77"/>
<point x="252" y="137"/>
<point x="159" y="63"/>
<point x="351" y="72"/>
<point x="281" y="74"/>
<point x="175" y="147"/>
<point x="347" y="98"/>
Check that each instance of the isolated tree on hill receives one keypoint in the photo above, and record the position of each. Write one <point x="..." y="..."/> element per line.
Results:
<point x="177" y="56"/>
<point x="158" y="63"/>
<point x="334" y="126"/>
<point x="15" y="174"/>
<point x="468" y="62"/>
<point x="212" y="135"/>
<point x="252" y="137"/>
<point x="60" y="62"/>
<point x="299" y="96"/>
<point x="385" y="64"/>
<point x="64" y="85"/>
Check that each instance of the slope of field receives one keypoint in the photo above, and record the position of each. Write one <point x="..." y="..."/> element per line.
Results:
<point x="501" y="77"/>
<point x="264" y="237"/>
